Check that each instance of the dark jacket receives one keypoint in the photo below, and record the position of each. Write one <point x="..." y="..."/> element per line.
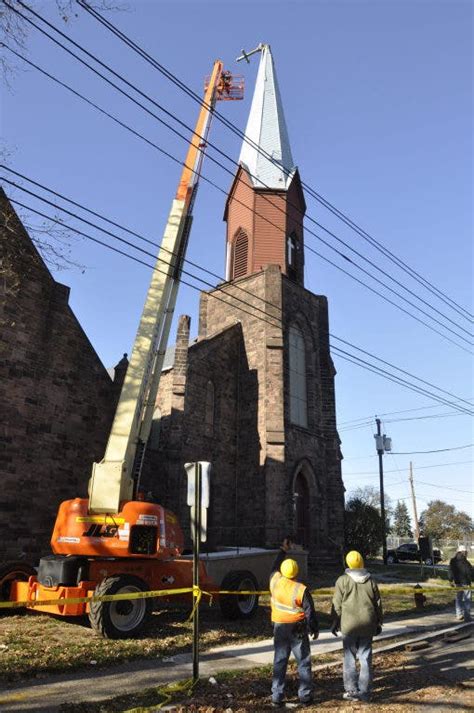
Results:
<point x="357" y="603"/>
<point x="460" y="569"/>
<point x="307" y="603"/>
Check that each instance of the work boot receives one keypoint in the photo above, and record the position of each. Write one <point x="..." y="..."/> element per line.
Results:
<point x="350" y="696"/>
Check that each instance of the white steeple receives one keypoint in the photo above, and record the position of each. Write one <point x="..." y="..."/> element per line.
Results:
<point x="266" y="127"/>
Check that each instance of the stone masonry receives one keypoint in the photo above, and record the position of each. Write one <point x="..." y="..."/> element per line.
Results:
<point x="56" y="397"/>
<point x="257" y="454"/>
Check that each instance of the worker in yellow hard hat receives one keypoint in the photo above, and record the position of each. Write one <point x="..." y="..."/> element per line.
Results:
<point x="293" y="617"/>
<point x="357" y="612"/>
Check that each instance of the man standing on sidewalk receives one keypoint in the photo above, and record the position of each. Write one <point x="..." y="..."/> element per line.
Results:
<point x="357" y="610"/>
<point x="460" y="574"/>
<point x="293" y="615"/>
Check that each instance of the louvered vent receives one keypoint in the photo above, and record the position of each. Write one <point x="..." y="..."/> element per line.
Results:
<point x="241" y="246"/>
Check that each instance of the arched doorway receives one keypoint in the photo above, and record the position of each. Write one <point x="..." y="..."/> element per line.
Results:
<point x="302" y="502"/>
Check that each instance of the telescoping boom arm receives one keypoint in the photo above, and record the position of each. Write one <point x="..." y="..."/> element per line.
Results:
<point x="114" y="479"/>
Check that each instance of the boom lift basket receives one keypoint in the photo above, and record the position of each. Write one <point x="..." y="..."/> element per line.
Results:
<point x="229" y="88"/>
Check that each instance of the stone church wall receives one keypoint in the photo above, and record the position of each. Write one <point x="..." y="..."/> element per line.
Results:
<point x="56" y="397"/>
<point x="255" y="450"/>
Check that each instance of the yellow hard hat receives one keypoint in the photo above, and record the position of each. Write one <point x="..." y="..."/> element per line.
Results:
<point x="289" y="568"/>
<point x="354" y="560"/>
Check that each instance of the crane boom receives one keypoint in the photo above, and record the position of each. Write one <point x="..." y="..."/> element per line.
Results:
<point x="114" y="478"/>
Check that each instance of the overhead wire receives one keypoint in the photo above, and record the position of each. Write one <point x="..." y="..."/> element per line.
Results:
<point x="444" y="487"/>
<point x="226" y="122"/>
<point x="265" y="218"/>
<point x="349" y="357"/>
<point x="387" y="413"/>
<point x="208" y="284"/>
<point x="393" y="377"/>
<point x="418" y="467"/>
<point x="356" y="427"/>
<point x="439" y="450"/>
<point x="214" y="147"/>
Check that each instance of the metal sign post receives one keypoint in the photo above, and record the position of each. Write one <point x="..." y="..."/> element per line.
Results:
<point x="196" y="545"/>
<point x="198" y="497"/>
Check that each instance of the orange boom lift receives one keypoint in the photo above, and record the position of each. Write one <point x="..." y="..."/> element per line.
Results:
<point x="112" y="542"/>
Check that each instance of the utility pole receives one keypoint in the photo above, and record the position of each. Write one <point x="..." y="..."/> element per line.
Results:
<point x="382" y="444"/>
<point x="413" y="499"/>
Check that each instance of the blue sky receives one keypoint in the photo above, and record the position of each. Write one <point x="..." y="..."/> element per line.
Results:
<point x="378" y="103"/>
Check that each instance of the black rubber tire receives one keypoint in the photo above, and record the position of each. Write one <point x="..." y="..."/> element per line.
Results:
<point x="105" y="617"/>
<point x="391" y="559"/>
<point x="10" y="571"/>
<point x="239" y="607"/>
<point x="428" y="561"/>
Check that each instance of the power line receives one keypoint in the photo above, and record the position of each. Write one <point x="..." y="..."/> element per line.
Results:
<point x="399" y="369"/>
<point x="439" y="450"/>
<point x="360" y="362"/>
<point x="356" y="427"/>
<point x="388" y="413"/>
<point x="419" y="467"/>
<point x="335" y="211"/>
<point x="444" y="487"/>
<point x="181" y="123"/>
<point x="130" y="244"/>
<point x="137" y="134"/>
<point x="118" y="225"/>
<point x="229" y="297"/>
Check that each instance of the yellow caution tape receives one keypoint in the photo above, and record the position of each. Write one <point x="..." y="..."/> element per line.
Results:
<point x="167" y="693"/>
<point x="198" y="592"/>
<point x="104" y="598"/>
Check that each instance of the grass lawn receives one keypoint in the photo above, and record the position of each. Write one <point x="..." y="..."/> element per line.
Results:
<point x="35" y="645"/>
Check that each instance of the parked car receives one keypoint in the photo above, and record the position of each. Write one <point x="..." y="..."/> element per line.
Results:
<point x="410" y="552"/>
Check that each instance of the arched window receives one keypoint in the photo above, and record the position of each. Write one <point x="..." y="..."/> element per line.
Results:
<point x="240" y="254"/>
<point x="297" y="362"/>
<point x="302" y="510"/>
<point x="210" y="409"/>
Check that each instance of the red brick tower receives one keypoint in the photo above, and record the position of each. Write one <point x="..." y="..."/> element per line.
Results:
<point x="266" y="206"/>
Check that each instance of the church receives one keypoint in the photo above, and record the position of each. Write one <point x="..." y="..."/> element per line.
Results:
<point x="254" y="392"/>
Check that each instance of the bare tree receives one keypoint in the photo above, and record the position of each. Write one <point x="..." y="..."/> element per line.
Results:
<point x="51" y="237"/>
<point x="14" y="30"/>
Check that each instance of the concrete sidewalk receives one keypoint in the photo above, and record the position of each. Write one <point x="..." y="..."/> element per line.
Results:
<point x="46" y="695"/>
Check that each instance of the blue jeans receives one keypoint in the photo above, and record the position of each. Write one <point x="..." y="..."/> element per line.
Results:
<point x="291" y="638"/>
<point x="357" y="647"/>
<point x="463" y="604"/>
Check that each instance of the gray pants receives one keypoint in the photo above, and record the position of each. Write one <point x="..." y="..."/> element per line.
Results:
<point x="291" y="638"/>
<point x="463" y="603"/>
<point x="357" y="647"/>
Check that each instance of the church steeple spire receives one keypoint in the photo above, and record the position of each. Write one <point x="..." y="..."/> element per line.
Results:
<point x="266" y="133"/>
<point x="266" y="206"/>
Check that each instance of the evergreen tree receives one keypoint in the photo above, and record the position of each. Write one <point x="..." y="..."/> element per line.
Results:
<point x="401" y="521"/>
<point x="362" y="528"/>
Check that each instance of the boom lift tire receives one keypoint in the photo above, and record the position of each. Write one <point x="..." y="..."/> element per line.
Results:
<point x="10" y="571"/>
<point x="122" y="619"/>
<point x="239" y="606"/>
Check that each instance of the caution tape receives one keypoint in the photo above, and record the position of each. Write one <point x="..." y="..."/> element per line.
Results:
<point x="199" y="593"/>
<point x="32" y="603"/>
<point x="167" y="692"/>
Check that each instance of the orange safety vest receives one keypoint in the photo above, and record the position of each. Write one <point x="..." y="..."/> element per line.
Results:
<point x="287" y="599"/>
